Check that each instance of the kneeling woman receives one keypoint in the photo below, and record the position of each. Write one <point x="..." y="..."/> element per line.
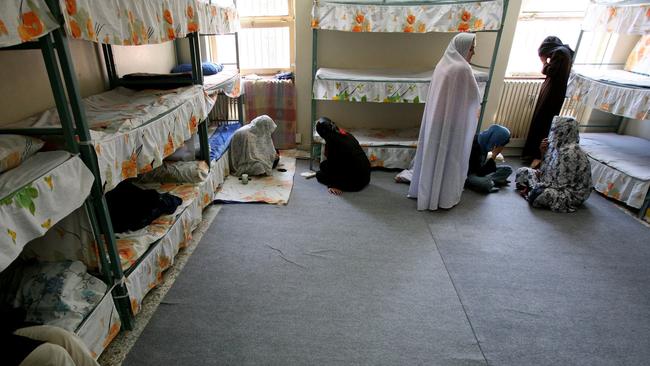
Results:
<point x="346" y="167"/>
<point x="564" y="180"/>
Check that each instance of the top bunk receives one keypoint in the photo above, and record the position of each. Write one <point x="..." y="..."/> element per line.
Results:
<point x="624" y="92"/>
<point x="117" y="22"/>
<point x="133" y="131"/>
<point x="618" y="16"/>
<point x="408" y="16"/>
<point x="24" y="21"/>
<point x="378" y="85"/>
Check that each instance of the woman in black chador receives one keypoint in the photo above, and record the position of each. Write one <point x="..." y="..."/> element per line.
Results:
<point x="346" y="167"/>
<point x="556" y="58"/>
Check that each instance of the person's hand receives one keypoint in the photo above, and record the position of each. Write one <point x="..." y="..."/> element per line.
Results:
<point x="335" y="191"/>
<point x="496" y="151"/>
<point x="544" y="60"/>
<point x="543" y="146"/>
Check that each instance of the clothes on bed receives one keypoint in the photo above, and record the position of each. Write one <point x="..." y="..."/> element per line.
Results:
<point x="251" y="148"/>
<point x="483" y="174"/>
<point x="448" y="126"/>
<point x="346" y="166"/>
<point x="551" y="95"/>
<point x="564" y="180"/>
<point x="132" y="208"/>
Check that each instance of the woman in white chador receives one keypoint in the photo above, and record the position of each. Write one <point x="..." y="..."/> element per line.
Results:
<point x="448" y="127"/>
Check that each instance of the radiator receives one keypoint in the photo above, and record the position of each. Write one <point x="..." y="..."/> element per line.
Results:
<point x="224" y="110"/>
<point x="517" y="104"/>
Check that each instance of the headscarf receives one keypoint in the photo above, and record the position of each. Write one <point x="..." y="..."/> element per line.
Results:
<point x="328" y="129"/>
<point x="263" y="126"/>
<point x="552" y="44"/>
<point x="566" y="167"/>
<point x="496" y="135"/>
<point x="460" y="45"/>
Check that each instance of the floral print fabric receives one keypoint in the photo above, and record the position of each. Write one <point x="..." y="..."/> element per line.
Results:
<point x="626" y="101"/>
<point x="132" y="23"/>
<point x="24" y="20"/>
<point x="625" y="19"/>
<point x="391" y="16"/>
<point x="36" y="195"/>
<point x="564" y="181"/>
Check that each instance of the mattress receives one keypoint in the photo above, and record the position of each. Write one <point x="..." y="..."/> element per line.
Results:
<point x="220" y="139"/>
<point x="614" y="91"/>
<point x="407" y="16"/>
<point x="385" y="148"/>
<point x="36" y="195"/>
<point x="623" y="17"/>
<point x="100" y="327"/>
<point x="228" y="81"/>
<point x="620" y="166"/>
<point x="133" y="131"/>
<point x="377" y="85"/>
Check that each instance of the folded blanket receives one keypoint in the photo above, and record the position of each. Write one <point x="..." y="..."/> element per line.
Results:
<point x="177" y="172"/>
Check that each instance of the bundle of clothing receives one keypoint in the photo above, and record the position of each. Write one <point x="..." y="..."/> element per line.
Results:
<point x="132" y="208"/>
<point x="563" y="181"/>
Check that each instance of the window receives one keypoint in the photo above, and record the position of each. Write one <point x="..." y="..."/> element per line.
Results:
<point x="266" y="40"/>
<point x="539" y="19"/>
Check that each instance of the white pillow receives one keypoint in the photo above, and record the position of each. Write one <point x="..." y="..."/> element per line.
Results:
<point x="14" y="149"/>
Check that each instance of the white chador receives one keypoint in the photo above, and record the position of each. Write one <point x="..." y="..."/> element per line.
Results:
<point x="448" y="127"/>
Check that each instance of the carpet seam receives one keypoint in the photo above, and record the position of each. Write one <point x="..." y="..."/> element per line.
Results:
<point x="453" y="284"/>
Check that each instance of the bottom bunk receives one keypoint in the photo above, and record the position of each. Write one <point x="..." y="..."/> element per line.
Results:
<point x="620" y="168"/>
<point x="385" y="148"/>
<point x="61" y="294"/>
<point x="220" y="139"/>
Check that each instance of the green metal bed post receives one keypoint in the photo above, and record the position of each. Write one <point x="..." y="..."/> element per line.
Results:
<point x="240" y="98"/>
<point x="58" y="91"/>
<point x="314" y="65"/>
<point x="491" y="71"/>
<point x="109" y="60"/>
<point x="97" y="195"/>
<point x="197" y="76"/>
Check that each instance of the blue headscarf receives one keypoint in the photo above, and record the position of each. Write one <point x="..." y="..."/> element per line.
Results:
<point x="496" y="135"/>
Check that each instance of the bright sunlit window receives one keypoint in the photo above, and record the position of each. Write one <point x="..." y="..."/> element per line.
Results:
<point x="537" y="20"/>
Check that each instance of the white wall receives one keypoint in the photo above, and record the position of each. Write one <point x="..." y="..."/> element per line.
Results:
<point x="377" y="50"/>
<point x="637" y="128"/>
<point x="25" y="88"/>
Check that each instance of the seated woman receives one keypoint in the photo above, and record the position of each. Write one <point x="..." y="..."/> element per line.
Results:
<point x="251" y="148"/>
<point x="564" y="180"/>
<point x="483" y="174"/>
<point x="346" y="167"/>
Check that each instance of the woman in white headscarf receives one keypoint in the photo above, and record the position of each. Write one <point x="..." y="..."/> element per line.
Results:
<point x="448" y="127"/>
<point x="251" y="148"/>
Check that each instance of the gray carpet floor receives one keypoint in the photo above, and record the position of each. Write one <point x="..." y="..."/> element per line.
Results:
<point x="365" y="279"/>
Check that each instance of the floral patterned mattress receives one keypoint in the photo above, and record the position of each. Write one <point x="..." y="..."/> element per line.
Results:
<point x="407" y="16"/>
<point x="36" y="195"/>
<point x="614" y="91"/>
<point x="133" y="131"/>
<point x="227" y="81"/>
<point x="377" y="85"/>
<point x="628" y="17"/>
<point x="620" y="166"/>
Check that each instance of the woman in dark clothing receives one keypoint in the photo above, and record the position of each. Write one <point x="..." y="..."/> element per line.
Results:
<point x="483" y="174"/>
<point x="556" y="58"/>
<point x="346" y="167"/>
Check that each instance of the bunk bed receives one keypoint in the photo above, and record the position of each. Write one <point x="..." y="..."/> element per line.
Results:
<point x="45" y="189"/>
<point x="619" y="163"/>
<point x="122" y="134"/>
<point x="393" y="148"/>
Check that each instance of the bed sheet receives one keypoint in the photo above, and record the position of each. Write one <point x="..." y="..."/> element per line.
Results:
<point x="36" y="195"/>
<point x="620" y="166"/>
<point x="626" y="17"/>
<point x="615" y="98"/>
<point x="132" y="132"/>
<point x="101" y="326"/>
<point x="377" y="85"/>
<point x="128" y="22"/>
<point x="407" y="16"/>
<point x="23" y="21"/>
<point x="227" y="81"/>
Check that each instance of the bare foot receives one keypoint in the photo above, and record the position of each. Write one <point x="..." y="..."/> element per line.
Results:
<point x="335" y="191"/>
